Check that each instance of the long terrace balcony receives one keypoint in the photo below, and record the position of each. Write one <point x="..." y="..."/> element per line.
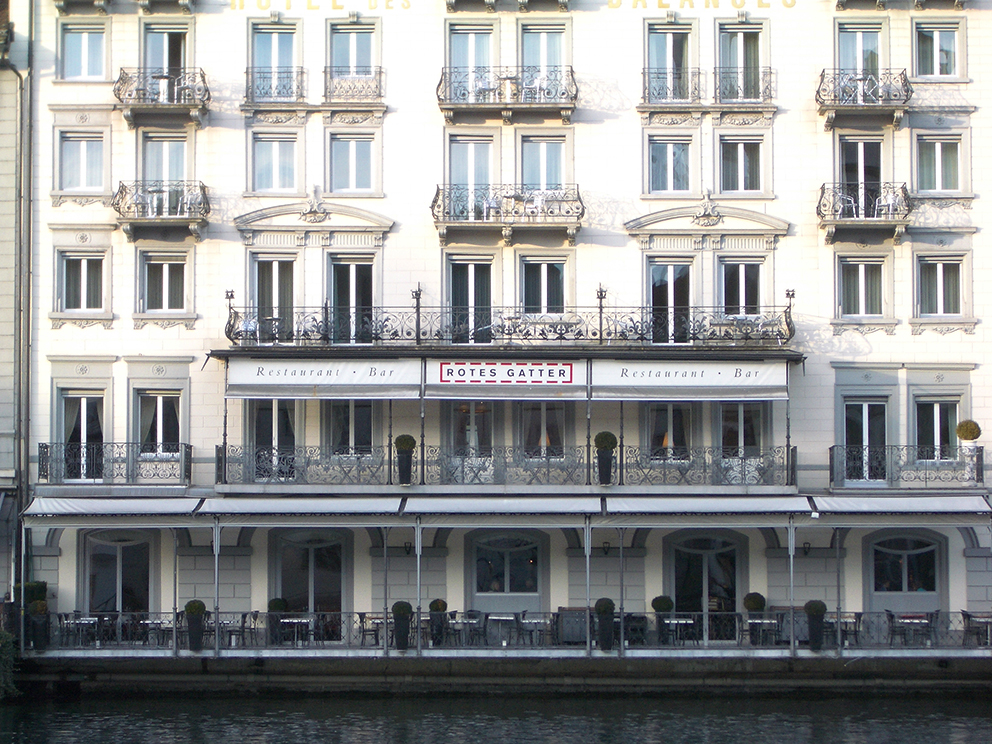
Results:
<point x="906" y="466"/>
<point x="510" y="326"/>
<point x="154" y="91"/>
<point x="859" y="93"/>
<point x="119" y="463"/>
<point x="507" y="91"/>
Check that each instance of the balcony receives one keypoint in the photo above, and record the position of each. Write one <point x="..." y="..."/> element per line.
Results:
<point x="507" y="466"/>
<point x="744" y="91"/>
<point x="147" y="92"/>
<point x="509" y="326"/>
<point x="507" y="208"/>
<point x="507" y="91"/>
<point x="672" y="92"/>
<point x="864" y="206"/>
<point x="161" y="204"/>
<point x="354" y="88"/>
<point x="860" y="94"/>
<point x="117" y="463"/>
<point x="906" y="466"/>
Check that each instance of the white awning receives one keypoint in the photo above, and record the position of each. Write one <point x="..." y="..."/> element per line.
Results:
<point x="324" y="506"/>
<point x="902" y="505"/>
<point x="689" y="380"/>
<point x="60" y="512"/>
<point x="708" y="505"/>
<point x="322" y="378"/>
<point x="502" y="506"/>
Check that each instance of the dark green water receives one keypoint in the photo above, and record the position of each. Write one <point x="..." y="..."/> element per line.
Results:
<point x="918" y="720"/>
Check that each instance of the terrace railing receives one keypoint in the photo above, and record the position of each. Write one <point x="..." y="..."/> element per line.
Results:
<point x="906" y="466"/>
<point x="126" y="463"/>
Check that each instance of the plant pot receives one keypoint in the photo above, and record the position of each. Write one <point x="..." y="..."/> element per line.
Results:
<point x="404" y="466"/>
<point x="815" y="632"/>
<point x="275" y="629"/>
<point x="39" y="632"/>
<point x="664" y="633"/>
<point x="439" y="621"/>
<point x="194" y="624"/>
<point x="401" y="631"/>
<point x="604" y="632"/>
<point x="605" y="461"/>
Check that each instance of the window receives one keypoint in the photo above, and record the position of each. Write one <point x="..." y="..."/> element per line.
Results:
<point x="351" y="162"/>
<point x="158" y="422"/>
<point x="936" y="50"/>
<point x="741" y="288"/>
<point x="669" y="297"/>
<point x="274" y="157"/>
<point x="506" y="564"/>
<point x="273" y="294"/>
<point x="472" y="78"/>
<point x="163" y="283"/>
<point x="668" y="65"/>
<point x="669" y="169"/>
<point x="740" y="165"/>
<point x="864" y="440"/>
<point x="351" y="50"/>
<point x="543" y="286"/>
<point x="82" y="286"/>
<point x="472" y="196"/>
<point x="739" y="74"/>
<point x="351" y="300"/>
<point x="940" y="286"/>
<point x="542" y="60"/>
<point x="82" y="434"/>
<point x="543" y="428"/>
<point x="858" y="58"/>
<point x="542" y="163"/>
<point x="471" y="302"/>
<point x="669" y="430"/>
<point x="164" y="175"/>
<point x="349" y="425"/>
<point x="310" y="574"/>
<point x="740" y="429"/>
<point x="860" y="287"/>
<point x="472" y="428"/>
<point x="118" y="571"/>
<point x="81" y="161"/>
<point x="272" y="432"/>
<point x="936" y="422"/>
<point x="83" y="53"/>
<point x="905" y="564"/>
<point x="273" y="76"/>
<point x="937" y="164"/>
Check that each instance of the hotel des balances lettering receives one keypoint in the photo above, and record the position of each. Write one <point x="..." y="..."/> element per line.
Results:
<point x="273" y="239"/>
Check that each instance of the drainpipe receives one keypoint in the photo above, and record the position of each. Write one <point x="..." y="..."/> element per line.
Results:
<point x="24" y="543"/>
<point x="792" y="585"/>
<point x="588" y="544"/>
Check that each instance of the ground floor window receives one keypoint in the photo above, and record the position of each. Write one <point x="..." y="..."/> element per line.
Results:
<point x="310" y="571"/>
<point x="506" y="571"/>
<point x="117" y="571"/>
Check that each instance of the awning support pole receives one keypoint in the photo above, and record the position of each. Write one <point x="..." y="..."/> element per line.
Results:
<point x="24" y="561"/>
<point x="217" y="624"/>
<point x="175" y="591"/>
<point x="792" y="585"/>
<point x="623" y="635"/>
<point x="588" y="544"/>
<point x="418" y="537"/>
<point x="385" y="591"/>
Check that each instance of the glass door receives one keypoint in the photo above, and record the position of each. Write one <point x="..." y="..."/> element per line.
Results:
<point x="861" y="171"/>
<point x="740" y="65"/>
<point x="164" y="176"/>
<point x="542" y="59"/>
<point x="471" y="303"/>
<point x="864" y="431"/>
<point x="273" y="434"/>
<point x="165" y="58"/>
<point x="668" y="65"/>
<point x="351" y="303"/>
<point x="857" y="52"/>
<point x="706" y="584"/>
<point x="274" y="299"/>
<point x="273" y="73"/>
<point x="669" y="303"/>
<point x="473" y="79"/>
<point x="472" y="197"/>
<point x="82" y="421"/>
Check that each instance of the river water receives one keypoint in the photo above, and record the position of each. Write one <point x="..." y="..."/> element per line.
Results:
<point x="503" y="720"/>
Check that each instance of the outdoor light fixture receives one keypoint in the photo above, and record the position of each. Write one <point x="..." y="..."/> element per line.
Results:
<point x="408" y="546"/>
<point x="806" y="548"/>
<point x="606" y="547"/>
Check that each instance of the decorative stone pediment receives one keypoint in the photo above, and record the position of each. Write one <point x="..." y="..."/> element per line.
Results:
<point x="313" y="222"/>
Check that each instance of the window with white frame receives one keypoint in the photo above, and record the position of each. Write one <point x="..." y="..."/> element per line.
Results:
<point x="860" y="286"/>
<point x="273" y="295"/>
<point x="349" y="426"/>
<point x="158" y="421"/>
<point x="938" y="163"/>
<point x="740" y="429"/>
<point x="542" y="428"/>
<point x="352" y="49"/>
<point x="940" y="285"/>
<point x="669" y="430"/>
<point x="272" y="432"/>
<point x="81" y="162"/>
<point x="740" y="164"/>
<point x="81" y="282"/>
<point x="668" y="64"/>
<point x="741" y="287"/>
<point x="542" y="162"/>
<point x="470" y="282"/>
<point x="351" y="299"/>
<point x="669" y="291"/>
<point x="543" y="286"/>
<point x="937" y="50"/>
<point x="83" y="52"/>
<point x="669" y="165"/>
<point x="351" y="166"/>
<point x="273" y="75"/>
<point x="936" y="422"/>
<point x="274" y="162"/>
<point x="739" y="71"/>
<point x="82" y="433"/>
<point x="163" y="282"/>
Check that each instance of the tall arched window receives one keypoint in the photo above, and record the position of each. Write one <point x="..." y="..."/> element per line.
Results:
<point x="905" y="571"/>
<point x="310" y="570"/>
<point x="507" y="571"/>
<point x="117" y="571"/>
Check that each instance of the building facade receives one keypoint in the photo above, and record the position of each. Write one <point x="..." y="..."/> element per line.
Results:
<point x="738" y="235"/>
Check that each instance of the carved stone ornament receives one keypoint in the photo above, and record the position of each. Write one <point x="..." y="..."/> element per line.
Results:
<point x="280" y="117"/>
<point x="349" y="117"/>
<point x="707" y="215"/>
<point x="82" y="370"/>
<point x="187" y="323"/>
<point x="742" y="119"/>
<point x="81" y="323"/>
<point x="864" y="330"/>
<point x="671" y="120"/>
<point x="315" y="211"/>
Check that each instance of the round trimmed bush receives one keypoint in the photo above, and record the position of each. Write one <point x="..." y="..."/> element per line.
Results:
<point x="662" y="603"/>
<point x="195" y="607"/>
<point x="402" y="608"/>
<point x="605" y="440"/>
<point x="406" y="443"/>
<point x="816" y="607"/>
<point x="754" y="602"/>
<point x="605" y="606"/>
<point x="438" y="605"/>
<point x="968" y="430"/>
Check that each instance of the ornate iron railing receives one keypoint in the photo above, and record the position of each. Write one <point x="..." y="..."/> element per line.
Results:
<point x="871" y="200"/>
<point x="508" y="204"/>
<point x="276" y="85"/>
<point x="304" y="465"/>
<point x="328" y="325"/>
<point x="672" y="85"/>
<point x="544" y="466"/>
<point x="353" y="84"/>
<point x="707" y="466"/>
<point x="529" y="86"/>
<point x="128" y="463"/>
<point x="151" y="199"/>
<point x="156" y="85"/>
<point x="906" y="466"/>
<point x="744" y="84"/>
<point x="862" y="88"/>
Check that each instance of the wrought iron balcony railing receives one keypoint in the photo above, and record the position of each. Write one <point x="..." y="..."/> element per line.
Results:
<point x="353" y="84"/>
<point x="906" y="466"/>
<point x="124" y="463"/>
<point x="882" y="88"/>
<point x="508" y="326"/>
<point x="871" y="200"/>
<point x="530" y="86"/>
<point x="508" y="204"/>
<point x="672" y="86"/>
<point x="515" y="465"/>
<point x="744" y="84"/>
<point x="276" y="85"/>
<point x="155" y="85"/>
<point x="151" y="200"/>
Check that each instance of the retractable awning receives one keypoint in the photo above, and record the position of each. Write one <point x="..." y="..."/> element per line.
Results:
<point x="59" y="512"/>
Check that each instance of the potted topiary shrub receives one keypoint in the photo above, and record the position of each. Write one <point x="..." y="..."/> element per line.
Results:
<point x="38" y="615"/>
<point x="604" y="623"/>
<point x="402" y="612"/>
<point x="754" y="603"/>
<point x="968" y="432"/>
<point x="662" y="605"/>
<point x="195" y="612"/>
<point x="439" y="620"/>
<point x="815" y="610"/>
<point x="606" y="442"/>
<point x="405" y="445"/>
<point x="277" y="606"/>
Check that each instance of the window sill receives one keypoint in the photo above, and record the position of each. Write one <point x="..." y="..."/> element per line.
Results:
<point x="746" y="195"/>
<point x="83" y="81"/>
<point x="81" y="319"/>
<point x="164" y="320"/>
<point x="943" y="324"/>
<point x="864" y="324"/>
<point x="354" y="195"/>
<point x="275" y="194"/>
<point x="669" y="195"/>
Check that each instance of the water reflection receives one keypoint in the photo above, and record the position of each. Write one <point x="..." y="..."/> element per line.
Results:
<point x="467" y="720"/>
